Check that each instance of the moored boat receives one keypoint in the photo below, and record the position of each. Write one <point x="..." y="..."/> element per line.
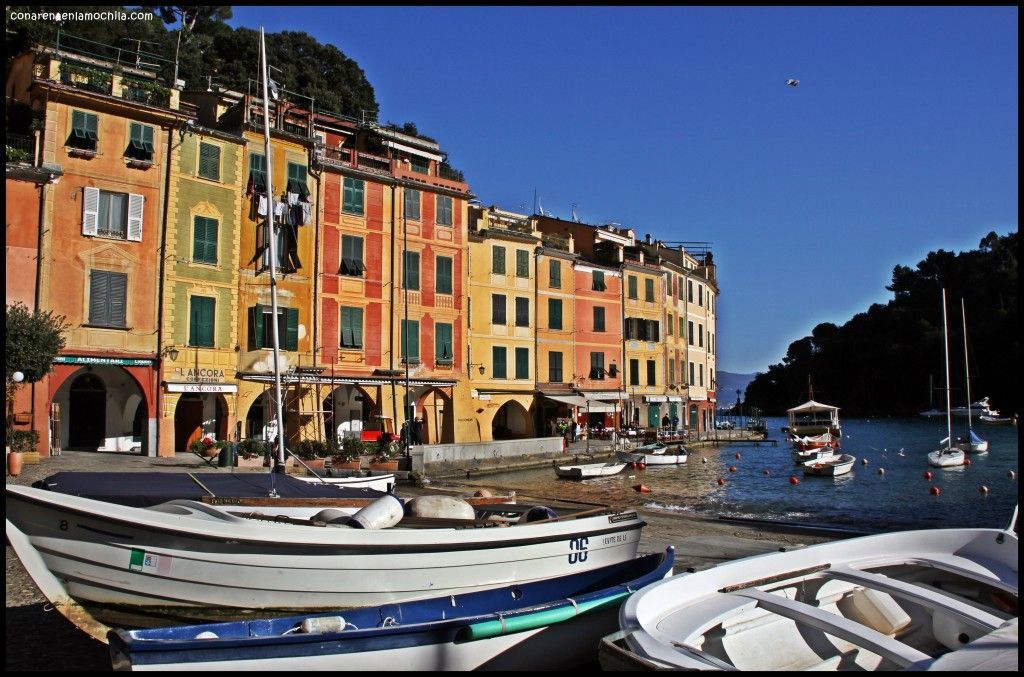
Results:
<point x="902" y="600"/>
<point x="811" y="454"/>
<point x="100" y="562"/>
<point x="502" y="628"/>
<point x="948" y="456"/>
<point x="677" y="458"/>
<point x="829" y="466"/>
<point x="589" y="470"/>
<point x="813" y="420"/>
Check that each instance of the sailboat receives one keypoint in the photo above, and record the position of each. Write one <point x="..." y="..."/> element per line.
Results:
<point x="972" y="444"/>
<point x="949" y="456"/>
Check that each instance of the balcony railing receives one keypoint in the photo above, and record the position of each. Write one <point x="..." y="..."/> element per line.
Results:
<point x="445" y="171"/>
<point x="374" y="163"/>
<point x="148" y="93"/>
<point x="84" y="77"/>
<point x="18" y="148"/>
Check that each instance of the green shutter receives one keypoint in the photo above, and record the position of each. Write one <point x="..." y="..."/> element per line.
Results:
<point x="443" y="342"/>
<point x="498" y="260"/>
<point x="500" y="366"/>
<point x="258" y="172"/>
<point x="522" y="363"/>
<point x="556" y="274"/>
<point x="648" y="289"/>
<point x="412" y="204"/>
<point x="522" y="263"/>
<point x="204" y="244"/>
<point x="352" y="197"/>
<point x="209" y="161"/>
<point x="291" y="338"/>
<point x="201" y="325"/>
<point x="554" y="313"/>
<point x="632" y="286"/>
<point x="256" y="327"/>
<point x="444" y="275"/>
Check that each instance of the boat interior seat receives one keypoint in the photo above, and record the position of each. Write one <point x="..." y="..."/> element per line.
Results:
<point x="975" y="568"/>
<point x="190" y="508"/>
<point x="877" y="610"/>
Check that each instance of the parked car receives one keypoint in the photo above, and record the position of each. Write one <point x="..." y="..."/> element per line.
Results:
<point x="725" y="425"/>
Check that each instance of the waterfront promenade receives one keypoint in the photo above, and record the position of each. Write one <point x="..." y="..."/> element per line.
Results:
<point x="39" y="638"/>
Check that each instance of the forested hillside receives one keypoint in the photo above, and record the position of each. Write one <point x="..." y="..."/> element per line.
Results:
<point x="208" y="48"/>
<point x="881" y="361"/>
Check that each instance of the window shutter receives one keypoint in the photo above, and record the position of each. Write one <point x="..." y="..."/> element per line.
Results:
<point x="291" y="338"/>
<point x="90" y="211"/>
<point x="135" y="208"/>
<point x="99" y="290"/>
<point x="357" y="327"/>
<point x="256" y="327"/>
<point x="118" y="294"/>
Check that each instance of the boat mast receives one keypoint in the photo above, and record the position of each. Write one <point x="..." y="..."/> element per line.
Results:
<point x="949" y="414"/>
<point x="272" y="235"/>
<point x="967" y="369"/>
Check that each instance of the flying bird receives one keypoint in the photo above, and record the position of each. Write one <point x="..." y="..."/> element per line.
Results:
<point x="792" y="82"/>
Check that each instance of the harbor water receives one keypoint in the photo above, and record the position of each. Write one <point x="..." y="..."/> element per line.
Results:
<point x="889" y="492"/>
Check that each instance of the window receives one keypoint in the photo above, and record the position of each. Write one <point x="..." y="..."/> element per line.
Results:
<point x="554" y="313"/>
<point x="598" y="283"/>
<point x="443" y="343"/>
<point x="632" y="286"/>
<point x="689" y="332"/>
<point x="679" y="287"/>
<point x="140" y="143"/>
<point x="522" y="363"/>
<point x="420" y="165"/>
<point x="498" y="362"/>
<point x="443" y="275"/>
<point x="263" y="246"/>
<point x="114" y="215"/>
<point x="701" y="366"/>
<point x="444" y="210"/>
<point x="554" y="367"/>
<point x="200" y="328"/>
<point x="352" y="196"/>
<point x="651" y="371"/>
<point x="83" y="131"/>
<point x="700" y="295"/>
<point x="261" y="328"/>
<point x="700" y="335"/>
<point x="351" y="256"/>
<point x="597" y="366"/>
<point x="682" y="331"/>
<point x="297" y="180"/>
<point x="522" y="263"/>
<point x="670" y="324"/>
<point x="522" y="312"/>
<point x="671" y="376"/>
<point x="351" y="328"/>
<point x="410" y="338"/>
<point x="257" y="173"/>
<point x="209" y="161"/>
<point x="634" y="372"/>
<point x="204" y="240"/>
<point x="412" y="204"/>
<point x="107" y="298"/>
<point x="692" y="380"/>
<point x="556" y="274"/>
<point x="648" y="289"/>
<point x="497" y="260"/>
<point x="689" y="291"/>
<point x="497" y="309"/>
<point x="411" y="271"/>
<point x="598" y="318"/>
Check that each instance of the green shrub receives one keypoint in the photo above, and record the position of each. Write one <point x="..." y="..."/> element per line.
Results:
<point x="308" y="450"/>
<point x="23" y="440"/>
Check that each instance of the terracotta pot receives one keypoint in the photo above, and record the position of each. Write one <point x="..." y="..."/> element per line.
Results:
<point x="346" y="465"/>
<point x="384" y="465"/>
<point x="318" y="463"/>
<point x="255" y="462"/>
<point x="14" y="463"/>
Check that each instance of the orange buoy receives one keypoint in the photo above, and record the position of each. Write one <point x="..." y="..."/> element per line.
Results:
<point x="934" y="491"/>
<point x="632" y="464"/>
<point x="641" y="465"/>
<point x="927" y="474"/>
<point x="967" y="461"/>
<point x="766" y="472"/>
<point x="738" y="456"/>
<point x="720" y="481"/>
<point x="642" y="488"/>
<point x="983" y="489"/>
<point x="732" y="468"/>
<point x="793" y="479"/>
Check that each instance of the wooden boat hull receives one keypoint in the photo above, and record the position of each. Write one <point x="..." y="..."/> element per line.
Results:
<point x="885" y="602"/>
<point x="829" y="466"/>
<point x="134" y="567"/>
<point x="545" y="625"/>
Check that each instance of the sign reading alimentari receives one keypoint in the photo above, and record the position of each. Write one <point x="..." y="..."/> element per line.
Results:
<point x="88" y="359"/>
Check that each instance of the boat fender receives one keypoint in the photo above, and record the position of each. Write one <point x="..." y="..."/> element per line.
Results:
<point x="450" y="507"/>
<point x="206" y="634"/>
<point x="333" y="517"/>
<point x="322" y="624"/>
<point x="385" y="512"/>
<point x="537" y="513"/>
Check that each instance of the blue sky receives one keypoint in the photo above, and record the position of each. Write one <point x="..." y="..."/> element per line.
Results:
<point x="677" y="121"/>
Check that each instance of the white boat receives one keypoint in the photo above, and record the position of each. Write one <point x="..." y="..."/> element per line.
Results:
<point x="930" y="599"/>
<point x="811" y="454"/>
<point x="829" y="466"/>
<point x="652" y="448"/>
<point x="976" y="408"/>
<point x="813" y="420"/>
<point x="971" y="443"/>
<point x="948" y="456"/>
<point x="100" y="562"/>
<point x="375" y="482"/>
<point x="588" y="470"/>
<point x="653" y="459"/>
<point x="808" y="443"/>
<point x="498" y="629"/>
<point x="995" y="418"/>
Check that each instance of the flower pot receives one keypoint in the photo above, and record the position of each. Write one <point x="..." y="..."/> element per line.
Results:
<point x="254" y="462"/>
<point x="316" y="463"/>
<point x="390" y="466"/>
<point x="14" y="463"/>
<point x="346" y="465"/>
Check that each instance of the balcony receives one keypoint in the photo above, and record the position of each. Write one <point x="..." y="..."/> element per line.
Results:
<point x="18" y="148"/>
<point x="85" y="77"/>
<point x="149" y="93"/>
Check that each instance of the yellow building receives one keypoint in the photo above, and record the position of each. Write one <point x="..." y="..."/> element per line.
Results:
<point x="556" y="328"/>
<point x="644" y="338"/>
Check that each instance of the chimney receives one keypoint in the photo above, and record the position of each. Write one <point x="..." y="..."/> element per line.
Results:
<point x="647" y="238"/>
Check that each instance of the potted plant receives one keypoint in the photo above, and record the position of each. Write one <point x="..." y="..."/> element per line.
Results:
<point x="312" y="453"/>
<point x="207" y="446"/>
<point x="251" y="453"/>
<point x="348" y="457"/>
<point x="21" y="441"/>
<point x="382" y="460"/>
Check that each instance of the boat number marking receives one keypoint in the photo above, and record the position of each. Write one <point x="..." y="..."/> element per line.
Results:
<point x="149" y="562"/>
<point x="617" y="538"/>
<point x="579" y="549"/>
<point x="63" y="525"/>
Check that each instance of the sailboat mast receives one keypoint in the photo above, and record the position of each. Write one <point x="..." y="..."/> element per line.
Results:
<point x="949" y="415"/>
<point x="967" y="366"/>
<point x="272" y="235"/>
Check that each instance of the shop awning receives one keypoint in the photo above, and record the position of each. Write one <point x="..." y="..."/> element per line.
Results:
<point x="602" y="408"/>
<point x="572" y="400"/>
<point x="606" y="396"/>
<point x="655" y="398"/>
<point x="674" y="398"/>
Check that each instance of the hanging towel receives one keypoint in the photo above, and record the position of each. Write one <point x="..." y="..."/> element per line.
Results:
<point x="307" y="213"/>
<point x="262" y="209"/>
<point x="293" y="198"/>
<point x="279" y="209"/>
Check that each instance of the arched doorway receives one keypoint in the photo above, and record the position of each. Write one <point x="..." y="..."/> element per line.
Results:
<point x="511" y="422"/>
<point x="347" y="411"/>
<point x="87" y="415"/>
<point x="437" y="415"/>
<point x="196" y="416"/>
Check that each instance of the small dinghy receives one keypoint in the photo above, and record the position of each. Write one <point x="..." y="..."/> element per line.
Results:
<point x="589" y="470"/>
<point x="829" y="466"/>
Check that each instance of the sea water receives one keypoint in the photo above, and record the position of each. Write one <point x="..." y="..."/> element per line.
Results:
<point x="889" y="492"/>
